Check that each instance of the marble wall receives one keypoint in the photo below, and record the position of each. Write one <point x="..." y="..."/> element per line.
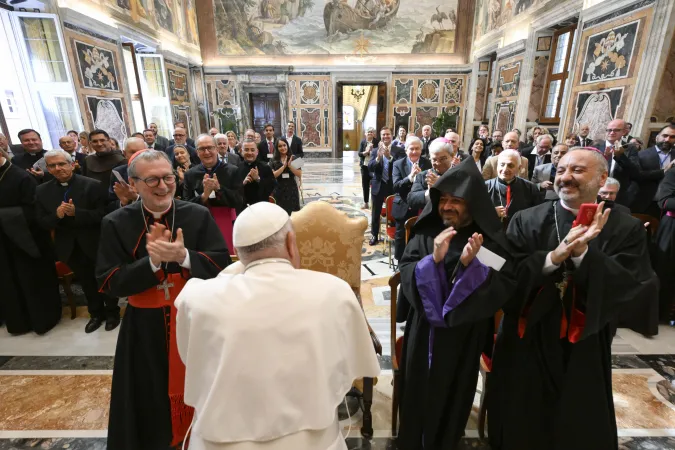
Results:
<point x="223" y="98"/>
<point x="608" y="61"/>
<point x="506" y="93"/>
<point x="310" y="108"/>
<point x="664" y="107"/>
<point x="100" y="81"/>
<point x="416" y="100"/>
<point x="178" y="83"/>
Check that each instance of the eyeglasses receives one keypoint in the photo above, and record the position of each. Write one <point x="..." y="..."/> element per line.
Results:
<point x="154" y="181"/>
<point x="179" y="135"/>
<point x="614" y="130"/>
<point x="210" y="148"/>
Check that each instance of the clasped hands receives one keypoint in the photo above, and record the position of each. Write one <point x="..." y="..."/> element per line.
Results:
<point x="576" y="242"/>
<point x="65" y="209"/>
<point x="252" y="176"/>
<point x="161" y="249"/>
<point x="211" y="184"/>
<point x="442" y="244"/>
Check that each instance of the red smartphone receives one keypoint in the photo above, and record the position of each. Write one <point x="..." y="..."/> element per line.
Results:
<point x="586" y="214"/>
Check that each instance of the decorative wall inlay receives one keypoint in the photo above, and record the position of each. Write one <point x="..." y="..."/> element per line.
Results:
<point x="292" y="92"/>
<point x="508" y="79"/>
<point x="596" y="109"/>
<point x="481" y="96"/>
<point x="178" y="86"/>
<point x="608" y="54"/>
<point x="226" y="92"/>
<point x="97" y="67"/>
<point x="504" y="115"/>
<point x="106" y="114"/>
<point x="326" y="91"/>
<point x="544" y="43"/>
<point x="199" y="96"/>
<point x="181" y="113"/>
<point x="402" y="115"/>
<point x="453" y="90"/>
<point x="537" y="92"/>
<point x="428" y="91"/>
<point x="424" y="115"/>
<point x="403" y="90"/>
<point x="310" y="127"/>
<point x="309" y="92"/>
<point x="222" y="94"/>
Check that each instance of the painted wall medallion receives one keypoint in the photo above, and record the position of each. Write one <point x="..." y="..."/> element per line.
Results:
<point x="609" y="54"/>
<point x="97" y="67"/>
<point x="596" y="109"/>
<point x="178" y="86"/>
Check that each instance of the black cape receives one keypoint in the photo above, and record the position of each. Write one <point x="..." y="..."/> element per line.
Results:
<point x="524" y="194"/>
<point x="257" y="191"/>
<point x="26" y="256"/>
<point x="436" y="400"/>
<point x="139" y="407"/>
<point x="664" y="243"/>
<point x="552" y="388"/>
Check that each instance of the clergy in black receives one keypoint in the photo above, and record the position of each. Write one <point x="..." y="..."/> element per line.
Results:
<point x="72" y="206"/>
<point x="31" y="141"/>
<point x="454" y="297"/>
<point x="147" y="252"/>
<point x="30" y="298"/>
<point x="510" y="193"/>
<point x="255" y="176"/>
<point x="99" y="165"/>
<point x="551" y="380"/>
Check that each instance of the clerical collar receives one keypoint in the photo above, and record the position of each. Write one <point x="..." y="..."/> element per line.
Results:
<point x="267" y="261"/>
<point x="157" y="215"/>
<point x="572" y="210"/>
<point x="506" y="182"/>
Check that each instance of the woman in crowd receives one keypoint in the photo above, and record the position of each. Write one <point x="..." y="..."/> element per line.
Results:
<point x="232" y="142"/>
<point x="571" y="140"/>
<point x="286" y="193"/>
<point x="400" y="140"/>
<point x="84" y="142"/>
<point x="114" y="144"/>
<point x="181" y="164"/>
<point x="478" y="153"/>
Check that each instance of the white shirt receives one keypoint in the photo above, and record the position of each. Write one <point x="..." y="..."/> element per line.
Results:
<point x="540" y="158"/>
<point x="270" y="352"/>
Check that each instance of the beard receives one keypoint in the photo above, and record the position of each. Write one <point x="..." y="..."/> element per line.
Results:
<point x="664" y="146"/>
<point x="585" y="193"/>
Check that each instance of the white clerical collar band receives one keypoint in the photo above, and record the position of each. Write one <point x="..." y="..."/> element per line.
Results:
<point x="159" y="215"/>
<point x="572" y="210"/>
<point x="64" y="184"/>
<point x="260" y="262"/>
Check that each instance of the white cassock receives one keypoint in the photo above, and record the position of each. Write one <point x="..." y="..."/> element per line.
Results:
<point x="270" y="354"/>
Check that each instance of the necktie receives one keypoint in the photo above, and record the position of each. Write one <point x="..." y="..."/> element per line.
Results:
<point x="271" y="146"/>
<point x="385" y="171"/>
<point x="552" y="173"/>
<point x="611" y="154"/>
<point x="508" y="195"/>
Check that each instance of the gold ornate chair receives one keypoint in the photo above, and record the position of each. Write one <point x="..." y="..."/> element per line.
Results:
<point x="331" y="242"/>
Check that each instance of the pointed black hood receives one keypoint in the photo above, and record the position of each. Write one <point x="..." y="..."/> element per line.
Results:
<point x="464" y="181"/>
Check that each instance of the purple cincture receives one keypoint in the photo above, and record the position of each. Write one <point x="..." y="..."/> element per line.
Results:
<point x="437" y="298"/>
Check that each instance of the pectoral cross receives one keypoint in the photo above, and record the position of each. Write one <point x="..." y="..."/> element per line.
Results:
<point x="165" y="285"/>
<point x="562" y="285"/>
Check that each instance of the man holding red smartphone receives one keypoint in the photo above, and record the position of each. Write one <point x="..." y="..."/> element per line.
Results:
<point x="578" y="265"/>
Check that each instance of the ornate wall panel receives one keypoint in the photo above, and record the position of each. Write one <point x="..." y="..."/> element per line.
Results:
<point x="310" y="108"/>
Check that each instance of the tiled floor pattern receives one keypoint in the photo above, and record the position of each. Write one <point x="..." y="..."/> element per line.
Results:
<point x="54" y="389"/>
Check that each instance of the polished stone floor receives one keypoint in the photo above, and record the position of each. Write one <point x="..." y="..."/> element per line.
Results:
<point x="55" y="389"/>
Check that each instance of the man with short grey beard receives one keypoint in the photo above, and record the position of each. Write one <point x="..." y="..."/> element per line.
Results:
<point x="552" y="369"/>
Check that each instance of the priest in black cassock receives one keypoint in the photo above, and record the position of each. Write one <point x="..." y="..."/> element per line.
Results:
<point x="103" y="160"/>
<point x="664" y="258"/>
<point x="256" y="176"/>
<point x="456" y="274"/>
<point x="30" y="298"/>
<point x="551" y="380"/>
<point x="214" y="184"/>
<point x="148" y="251"/>
<point x="72" y="207"/>
<point x="509" y="192"/>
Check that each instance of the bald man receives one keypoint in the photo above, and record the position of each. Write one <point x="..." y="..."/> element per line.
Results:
<point x="456" y="142"/>
<point x="623" y="162"/>
<point x="69" y="145"/>
<point x="510" y="142"/>
<point x="119" y="192"/>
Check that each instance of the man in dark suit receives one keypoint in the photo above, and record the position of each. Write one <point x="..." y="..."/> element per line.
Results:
<point x="226" y="154"/>
<point x="151" y="141"/>
<point x="544" y="175"/>
<point x="608" y="193"/>
<point x="120" y="193"/>
<point x="365" y="149"/>
<point x="654" y="162"/>
<point x="31" y="142"/>
<point x="405" y="171"/>
<point x="188" y="140"/>
<point x="68" y="145"/>
<point x="180" y="138"/>
<point x="161" y="140"/>
<point x="540" y="154"/>
<point x="623" y="162"/>
<point x="497" y="138"/>
<point x="442" y="156"/>
<point x="72" y="206"/>
<point x="625" y="139"/>
<point x="381" y="166"/>
<point x="426" y="138"/>
<point x="266" y="146"/>
<point x="582" y="139"/>
<point x="294" y="143"/>
<point x="255" y="175"/>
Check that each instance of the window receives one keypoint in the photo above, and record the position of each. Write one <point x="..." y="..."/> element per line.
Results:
<point x="10" y="103"/>
<point x="558" y="73"/>
<point x="155" y="93"/>
<point x="131" y="68"/>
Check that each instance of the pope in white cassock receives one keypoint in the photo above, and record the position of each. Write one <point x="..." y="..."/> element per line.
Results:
<point x="270" y="349"/>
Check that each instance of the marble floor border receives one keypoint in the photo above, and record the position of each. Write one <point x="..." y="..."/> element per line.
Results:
<point x="41" y="434"/>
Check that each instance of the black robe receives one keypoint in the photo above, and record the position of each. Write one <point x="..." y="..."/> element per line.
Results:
<point x="30" y="299"/>
<point x="256" y="191"/>
<point x="664" y="255"/>
<point x="436" y="398"/>
<point x="552" y="388"/>
<point x="524" y="194"/>
<point x="139" y="407"/>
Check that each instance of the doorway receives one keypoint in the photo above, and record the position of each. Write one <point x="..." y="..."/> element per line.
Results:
<point x="265" y="108"/>
<point x="359" y="107"/>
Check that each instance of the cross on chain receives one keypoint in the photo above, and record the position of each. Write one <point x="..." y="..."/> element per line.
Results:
<point x="165" y="285"/>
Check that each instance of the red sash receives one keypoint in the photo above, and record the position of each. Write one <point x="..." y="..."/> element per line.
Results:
<point x="181" y="414"/>
<point x="224" y="216"/>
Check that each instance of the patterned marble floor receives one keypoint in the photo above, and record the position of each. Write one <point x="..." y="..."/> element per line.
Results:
<point x="55" y="389"/>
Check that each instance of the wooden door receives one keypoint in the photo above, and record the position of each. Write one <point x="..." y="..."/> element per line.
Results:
<point x="265" y="108"/>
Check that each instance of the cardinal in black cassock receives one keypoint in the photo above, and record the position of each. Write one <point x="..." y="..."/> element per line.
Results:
<point x="550" y="385"/>
<point x="451" y="320"/>
<point x="147" y="411"/>
<point x="664" y="258"/>
<point x="30" y="298"/>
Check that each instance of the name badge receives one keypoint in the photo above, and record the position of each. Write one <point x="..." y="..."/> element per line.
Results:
<point x="212" y="194"/>
<point x="270" y="156"/>
<point x="285" y="175"/>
